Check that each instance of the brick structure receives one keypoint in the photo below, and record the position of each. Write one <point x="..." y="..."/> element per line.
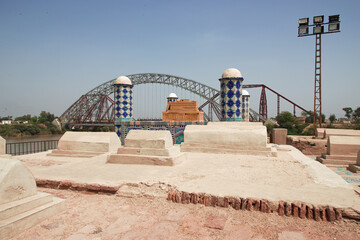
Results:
<point x="278" y="136"/>
<point x="182" y="110"/>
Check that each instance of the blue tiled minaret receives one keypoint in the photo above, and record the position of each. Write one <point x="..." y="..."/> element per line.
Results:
<point x="231" y="95"/>
<point x="245" y="105"/>
<point x="123" y="98"/>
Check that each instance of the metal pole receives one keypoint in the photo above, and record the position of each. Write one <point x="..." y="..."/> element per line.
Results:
<point x="317" y="88"/>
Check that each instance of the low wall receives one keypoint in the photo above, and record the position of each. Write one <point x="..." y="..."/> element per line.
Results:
<point x="176" y="128"/>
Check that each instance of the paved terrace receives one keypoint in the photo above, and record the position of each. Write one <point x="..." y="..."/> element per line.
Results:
<point x="290" y="177"/>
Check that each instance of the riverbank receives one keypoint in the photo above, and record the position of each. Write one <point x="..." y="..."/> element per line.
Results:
<point x="33" y="138"/>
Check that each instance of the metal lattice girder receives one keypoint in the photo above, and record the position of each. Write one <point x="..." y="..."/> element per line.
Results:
<point x="92" y="108"/>
<point x="80" y="108"/>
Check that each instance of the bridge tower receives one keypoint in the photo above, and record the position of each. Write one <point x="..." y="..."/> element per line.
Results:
<point x="123" y="97"/>
<point x="245" y="105"/>
<point x="231" y="95"/>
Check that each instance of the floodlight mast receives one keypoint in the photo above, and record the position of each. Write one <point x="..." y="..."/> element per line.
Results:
<point x="318" y="30"/>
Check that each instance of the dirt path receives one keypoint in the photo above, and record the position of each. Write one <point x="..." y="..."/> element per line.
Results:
<point x="93" y="216"/>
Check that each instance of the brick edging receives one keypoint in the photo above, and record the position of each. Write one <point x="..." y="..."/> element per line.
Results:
<point x="282" y="208"/>
<point x="97" y="188"/>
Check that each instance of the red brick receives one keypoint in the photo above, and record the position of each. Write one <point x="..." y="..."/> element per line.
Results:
<point x="249" y="205"/>
<point x="237" y="203"/>
<point x="317" y="216"/>
<point x="295" y="209"/>
<point x="288" y="209"/>
<point x="302" y="212"/>
<point x="226" y="202"/>
<point x="201" y="198"/>
<point x="323" y="214"/>
<point x="220" y="202"/>
<point x="256" y="205"/>
<point x="281" y="210"/>
<point x="173" y="197"/>
<point x="195" y="198"/>
<point x="183" y="197"/>
<point x="214" y="200"/>
<point x="79" y="187"/>
<point x="47" y="183"/>
<point x="330" y="214"/>
<point x="338" y="214"/>
<point x="187" y="198"/>
<point x="169" y="196"/>
<point x="243" y="203"/>
<point x="309" y="212"/>
<point x="264" y="206"/>
<point x="177" y="197"/>
<point x="207" y="200"/>
<point x="65" y="184"/>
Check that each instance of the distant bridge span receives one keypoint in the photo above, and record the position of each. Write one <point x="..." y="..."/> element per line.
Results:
<point x="95" y="108"/>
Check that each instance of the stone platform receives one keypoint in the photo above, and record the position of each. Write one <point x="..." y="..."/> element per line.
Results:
<point x="341" y="150"/>
<point x="355" y="167"/>
<point x="228" y="137"/>
<point x="86" y="144"/>
<point x="21" y="206"/>
<point x="148" y="147"/>
<point x="290" y="177"/>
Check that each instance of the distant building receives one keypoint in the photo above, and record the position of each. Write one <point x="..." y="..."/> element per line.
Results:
<point x="5" y="122"/>
<point x="182" y="110"/>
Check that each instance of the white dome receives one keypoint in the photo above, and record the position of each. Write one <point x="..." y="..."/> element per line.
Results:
<point x="245" y="93"/>
<point x="172" y="95"/>
<point x="231" y="73"/>
<point x="123" y="80"/>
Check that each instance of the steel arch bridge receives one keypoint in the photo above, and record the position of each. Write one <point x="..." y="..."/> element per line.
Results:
<point x="95" y="108"/>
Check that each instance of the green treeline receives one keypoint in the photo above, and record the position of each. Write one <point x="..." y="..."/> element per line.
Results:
<point x="29" y="125"/>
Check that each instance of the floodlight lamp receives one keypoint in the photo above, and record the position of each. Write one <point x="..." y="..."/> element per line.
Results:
<point x="318" y="29"/>
<point x="303" y="31"/>
<point x="334" y="27"/>
<point x="334" y="18"/>
<point x="318" y="19"/>
<point x="303" y="21"/>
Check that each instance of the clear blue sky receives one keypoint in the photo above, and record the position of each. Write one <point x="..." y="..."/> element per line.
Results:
<point x="52" y="52"/>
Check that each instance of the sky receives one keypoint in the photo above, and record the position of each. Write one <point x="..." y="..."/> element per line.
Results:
<point x="52" y="52"/>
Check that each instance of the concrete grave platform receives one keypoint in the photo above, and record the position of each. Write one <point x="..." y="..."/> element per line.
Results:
<point x="341" y="132"/>
<point x="21" y="206"/>
<point x="355" y="167"/>
<point x="3" y="148"/>
<point x="248" y="138"/>
<point x="341" y="150"/>
<point x="326" y="132"/>
<point x="278" y="136"/>
<point x="290" y="177"/>
<point x="148" y="147"/>
<point x="86" y="144"/>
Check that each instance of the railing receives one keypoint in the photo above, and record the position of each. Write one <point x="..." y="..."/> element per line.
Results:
<point x="21" y="148"/>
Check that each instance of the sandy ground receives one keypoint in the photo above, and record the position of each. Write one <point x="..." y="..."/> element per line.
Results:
<point x="290" y="177"/>
<point x="150" y="216"/>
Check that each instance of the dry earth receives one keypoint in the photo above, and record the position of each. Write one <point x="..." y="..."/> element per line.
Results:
<point x="148" y="215"/>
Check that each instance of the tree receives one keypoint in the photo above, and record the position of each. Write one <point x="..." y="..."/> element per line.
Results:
<point x="310" y="117"/>
<point x="332" y="118"/>
<point x="356" y="115"/>
<point x="26" y="117"/>
<point x="286" y="120"/>
<point x="46" y="117"/>
<point x="348" y="112"/>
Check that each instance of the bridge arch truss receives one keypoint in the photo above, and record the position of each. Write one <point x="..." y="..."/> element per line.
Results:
<point x="95" y="108"/>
